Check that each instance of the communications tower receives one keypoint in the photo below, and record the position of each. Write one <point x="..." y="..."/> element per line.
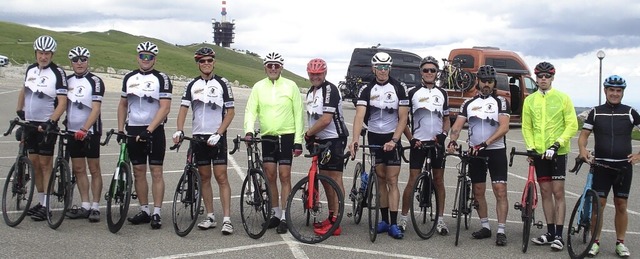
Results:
<point x="223" y="31"/>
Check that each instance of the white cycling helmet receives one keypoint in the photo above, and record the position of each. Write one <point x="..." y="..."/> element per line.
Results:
<point x="45" y="43"/>
<point x="274" y="57"/>
<point x="79" y="52"/>
<point x="381" y="58"/>
<point x="148" y="46"/>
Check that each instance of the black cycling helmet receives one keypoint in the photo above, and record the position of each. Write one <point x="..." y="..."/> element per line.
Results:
<point x="204" y="52"/>
<point x="486" y="72"/>
<point x="545" y="67"/>
<point x="615" y="81"/>
<point x="430" y="60"/>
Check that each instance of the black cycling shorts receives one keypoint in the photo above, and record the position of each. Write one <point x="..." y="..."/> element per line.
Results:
<point x="208" y="155"/>
<point x="89" y="148"/>
<point x="281" y="152"/>
<point x="418" y="158"/>
<point x="336" y="163"/>
<point x="606" y="179"/>
<point x="390" y="158"/>
<point x="35" y="141"/>
<point x="138" y="150"/>
<point x="497" y="165"/>
<point x="548" y="170"/>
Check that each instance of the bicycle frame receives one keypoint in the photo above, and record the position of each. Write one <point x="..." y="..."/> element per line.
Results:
<point x="530" y="178"/>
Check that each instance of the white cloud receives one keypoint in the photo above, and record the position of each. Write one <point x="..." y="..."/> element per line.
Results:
<point x="565" y="33"/>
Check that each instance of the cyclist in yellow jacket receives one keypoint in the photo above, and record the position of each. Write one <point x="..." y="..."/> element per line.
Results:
<point x="548" y="122"/>
<point x="276" y="102"/>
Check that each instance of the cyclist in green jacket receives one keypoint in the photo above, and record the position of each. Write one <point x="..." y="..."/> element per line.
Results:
<point x="276" y="102"/>
<point x="548" y="122"/>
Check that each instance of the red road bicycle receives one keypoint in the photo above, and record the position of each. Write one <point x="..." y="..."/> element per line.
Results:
<point x="529" y="202"/>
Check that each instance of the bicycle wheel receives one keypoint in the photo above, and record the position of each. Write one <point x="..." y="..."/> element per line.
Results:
<point x="464" y="80"/>
<point x="18" y="191"/>
<point x="584" y="219"/>
<point x="373" y="205"/>
<point x="186" y="202"/>
<point x="57" y="198"/>
<point x="299" y="215"/>
<point x="255" y="204"/>
<point x="527" y="217"/>
<point x="119" y="197"/>
<point x="424" y="208"/>
<point x="462" y="200"/>
<point x="357" y="193"/>
<point x="470" y="204"/>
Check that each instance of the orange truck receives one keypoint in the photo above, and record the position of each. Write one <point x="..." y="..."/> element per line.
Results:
<point x="514" y="81"/>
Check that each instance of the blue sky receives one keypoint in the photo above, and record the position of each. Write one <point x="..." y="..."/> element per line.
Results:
<point x="566" y="33"/>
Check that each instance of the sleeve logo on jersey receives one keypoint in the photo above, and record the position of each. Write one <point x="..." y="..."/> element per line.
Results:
<point x="374" y="97"/>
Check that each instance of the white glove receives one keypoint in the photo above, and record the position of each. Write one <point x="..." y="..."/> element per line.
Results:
<point x="551" y="151"/>
<point x="178" y="134"/>
<point x="213" y="140"/>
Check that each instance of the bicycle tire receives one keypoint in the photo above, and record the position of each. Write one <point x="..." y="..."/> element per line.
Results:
<point x="464" y="80"/>
<point x="255" y="204"/>
<point x="373" y="206"/>
<point x="57" y="198"/>
<point x="299" y="215"/>
<point x="17" y="193"/>
<point x="580" y="224"/>
<point x="527" y="216"/>
<point x="357" y="196"/>
<point x="118" y="198"/>
<point x="186" y="202"/>
<point x="469" y="206"/>
<point x="424" y="208"/>
<point x="461" y="195"/>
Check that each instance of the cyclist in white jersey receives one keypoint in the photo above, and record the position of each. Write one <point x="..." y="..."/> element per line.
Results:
<point x="145" y="103"/>
<point x="383" y="105"/>
<point x="211" y="99"/>
<point x="42" y="101"/>
<point x="83" y="118"/>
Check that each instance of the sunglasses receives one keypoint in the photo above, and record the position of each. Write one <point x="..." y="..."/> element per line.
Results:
<point x="429" y="70"/>
<point x="81" y="59"/>
<point x="146" y="57"/>
<point x="544" y="75"/>
<point x="209" y="60"/>
<point x="382" y="67"/>
<point x="487" y="81"/>
<point x="273" y="66"/>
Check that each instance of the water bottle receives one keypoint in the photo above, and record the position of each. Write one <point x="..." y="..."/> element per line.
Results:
<point x="364" y="178"/>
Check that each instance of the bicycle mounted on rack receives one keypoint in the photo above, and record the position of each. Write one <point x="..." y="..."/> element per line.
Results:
<point x="452" y="76"/>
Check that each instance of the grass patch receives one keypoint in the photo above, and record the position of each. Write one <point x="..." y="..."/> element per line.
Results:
<point x="117" y="49"/>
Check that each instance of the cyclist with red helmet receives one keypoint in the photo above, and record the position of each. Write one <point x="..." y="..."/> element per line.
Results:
<point x="548" y="123"/>
<point x="383" y="106"/>
<point x="326" y="124"/>
<point x="211" y="99"/>
<point x="612" y="124"/>
<point x="144" y="105"/>
<point x="276" y="102"/>
<point x="42" y="101"/>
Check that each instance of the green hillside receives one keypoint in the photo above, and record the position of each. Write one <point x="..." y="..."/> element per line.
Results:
<point x="117" y="50"/>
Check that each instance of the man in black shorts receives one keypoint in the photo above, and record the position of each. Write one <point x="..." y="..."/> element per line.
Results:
<point x="326" y="123"/>
<point x="488" y="118"/>
<point x="612" y="124"/>
<point x="145" y="103"/>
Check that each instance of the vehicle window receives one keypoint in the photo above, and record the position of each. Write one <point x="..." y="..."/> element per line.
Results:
<point x="530" y="85"/>
<point x="502" y="82"/>
<point x="506" y="63"/>
<point x="469" y="61"/>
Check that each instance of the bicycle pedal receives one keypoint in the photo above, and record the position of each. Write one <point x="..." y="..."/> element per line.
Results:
<point x="539" y="224"/>
<point x="134" y="196"/>
<point x="517" y="206"/>
<point x="349" y="214"/>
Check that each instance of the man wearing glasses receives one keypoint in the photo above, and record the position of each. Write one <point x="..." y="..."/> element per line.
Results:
<point x="548" y="123"/>
<point x="211" y="99"/>
<point x="275" y="101"/>
<point x="488" y="118"/>
<point x="42" y="101"/>
<point x="83" y="117"/>
<point x="383" y="105"/>
<point x="145" y="102"/>
<point x="429" y="111"/>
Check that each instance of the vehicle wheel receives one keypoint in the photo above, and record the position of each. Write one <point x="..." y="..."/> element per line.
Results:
<point x="580" y="238"/>
<point x="462" y="200"/>
<point x="527" y="217"/>
<point x="255" y="204"/>
<point x="357" y="194"/>
<point x="424" y="207"/>
<point x="57" y="199"/>
<point x="373" y="206"/>
<point x="118" y="198"/>
<point x="186" y="202"/>
<point x="18" y="191"/>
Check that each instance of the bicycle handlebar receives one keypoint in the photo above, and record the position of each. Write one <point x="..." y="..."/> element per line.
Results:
<point x="425" y="145"/>
<point x="579" y="161"/>
<point x="466" y="155"/>
<point x="253" y="140"/>
<point x="111" y="132"/>
<point x="528" y="153"/>
<point x="17" y="121"/>
<point x="196" y="139"/>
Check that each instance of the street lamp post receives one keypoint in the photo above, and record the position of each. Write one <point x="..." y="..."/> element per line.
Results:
<point x="600" y="56"/>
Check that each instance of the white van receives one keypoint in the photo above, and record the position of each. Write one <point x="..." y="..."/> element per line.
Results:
<point x="4" y="61"/>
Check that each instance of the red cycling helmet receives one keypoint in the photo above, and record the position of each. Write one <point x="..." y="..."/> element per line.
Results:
<point x="317" y="66"/>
